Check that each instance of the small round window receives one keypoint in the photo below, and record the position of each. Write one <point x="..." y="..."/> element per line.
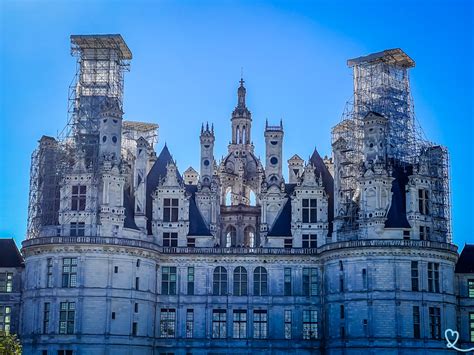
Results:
<point x="273" y="142"/>
<point x="104" y="139"/>
<point x="206" y="162"/>
<point x="114" y="139"/>
<point x="273" y="160"/>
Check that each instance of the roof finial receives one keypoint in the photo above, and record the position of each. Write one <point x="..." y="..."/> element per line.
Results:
<point x="242" y="76"/>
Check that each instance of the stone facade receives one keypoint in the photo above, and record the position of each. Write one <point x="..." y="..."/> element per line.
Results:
<point x="234" y="259"/>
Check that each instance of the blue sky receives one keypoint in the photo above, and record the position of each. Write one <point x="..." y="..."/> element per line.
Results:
<point x="186" y="66"/>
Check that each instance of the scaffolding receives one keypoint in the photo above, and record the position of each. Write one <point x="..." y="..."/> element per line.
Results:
<point x="132" y="131"/>
<point x="101" y="61"/>
<point x="381" y="84"/>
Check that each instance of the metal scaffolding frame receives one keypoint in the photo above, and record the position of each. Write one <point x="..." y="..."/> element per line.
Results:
<point x="101" y="61"/>
<point x="381" y="84"/>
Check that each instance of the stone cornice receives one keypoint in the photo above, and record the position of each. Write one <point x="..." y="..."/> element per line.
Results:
<point x="328" y="251"/>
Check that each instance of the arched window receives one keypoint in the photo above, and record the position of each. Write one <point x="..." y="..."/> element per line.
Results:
<point x="230" y="237"/>
<point x="228" y="197"/>
<point x="244" y="135"/>
<point x="252" y="198"/>
<point x="249" y="237"/>
<point x="238" y="135"/>
<point x="260" y="281"/>
<point x="240" y="281"/>
<point x="219" y="284"/>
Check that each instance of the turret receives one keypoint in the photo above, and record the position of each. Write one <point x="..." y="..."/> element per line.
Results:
<point x="241" y="120"/>
<point x="110" y="134"/>
<point x="375" y="143"/>
<point x="207" y="154"/>
<point x="140" y="176"/>
<point x="273" y="153"/>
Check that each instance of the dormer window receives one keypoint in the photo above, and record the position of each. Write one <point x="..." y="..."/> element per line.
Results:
<point x="423" y="201"/>
<point x="170" y="210"/>
<point x="78" y="199"/>
<point x="309" y="210"/>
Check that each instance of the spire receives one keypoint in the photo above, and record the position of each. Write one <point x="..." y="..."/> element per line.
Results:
<point x="241" y="94"/>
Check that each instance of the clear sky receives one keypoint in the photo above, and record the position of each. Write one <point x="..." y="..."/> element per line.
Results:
<point x="187" y="61"/>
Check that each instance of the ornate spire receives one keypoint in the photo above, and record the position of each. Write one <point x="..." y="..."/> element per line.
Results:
<point x="241" y="94"/>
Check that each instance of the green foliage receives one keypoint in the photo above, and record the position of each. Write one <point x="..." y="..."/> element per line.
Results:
<point x="9" y="344"/>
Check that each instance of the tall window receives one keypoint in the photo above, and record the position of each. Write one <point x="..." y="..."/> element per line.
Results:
<point x="310" y="281"/>
<point x="260" y="324"/>
<point x="168" y="280"/>
<point x="260" y="281"/>
<point x="471" y="327"/>
<point x="433" y="277"/>
<point x="342" y="313"/>
<point x="470" y="288"/>
<point x="231" y="237"/>
<point x="435" y="323"/>
<point x="189" y="323"/>
<point x="6" y="282"/>
<point x="416" y="322"/>
<point x="240" y="324"/>
<point x="287" y="324"/>
<point x="67" y="312"/>
<point x="5" y="319"/>
<point x="219" y="284"/>
<point x="78" y="198"/>
<point x="249" y="237"/>
<point x="167" y="322"/>
<point x="414" y="276"/>
<point x="423" y="201"/>
<point x="287" y="285"/>
<point x="134" y="328"/>
<point x="240" y="281"/>
<point x="310" y="241"/>
<point x="424" y="233"/>
<point x="190" y="280"/>
<point x="46" y="310"/>
<point x="49" y="274"/>
<point x="170" y="210"/>
<point x="219" y="323"/>
<point x="364" y="278"/>
<point x="170" y="239"/>
<point x="310" y="324"/>
<point x="77" y="229"/>
<point x="69" y="272"/>
<point x="341" y="283"/>
<point x="309" y="210"/>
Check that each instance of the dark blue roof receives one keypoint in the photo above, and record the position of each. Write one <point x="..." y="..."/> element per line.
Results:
<point x="9" y="254"/>
<point x="157" y="172"/>
<point x="129" y="205"/>
<point x="465" y="264"/>
<point x="197" y="226"/>
<point x="282" y="225"/>
<point x="328" y="183"/>
<point x="397" y="214"/>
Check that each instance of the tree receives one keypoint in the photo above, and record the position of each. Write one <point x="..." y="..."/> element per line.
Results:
<point x="9" y="344"/>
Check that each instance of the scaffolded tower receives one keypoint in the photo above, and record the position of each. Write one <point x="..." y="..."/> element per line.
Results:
<point x="97" y="85"/>
<point x="381" y="84"/>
